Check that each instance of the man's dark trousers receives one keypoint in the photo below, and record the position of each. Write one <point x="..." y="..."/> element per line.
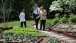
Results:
<point x="36" y="20"/>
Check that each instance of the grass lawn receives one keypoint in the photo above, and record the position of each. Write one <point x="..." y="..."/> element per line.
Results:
<point x="28" y="22"/>
<point x="17" y="23"/>
<point x="49" y="22"/>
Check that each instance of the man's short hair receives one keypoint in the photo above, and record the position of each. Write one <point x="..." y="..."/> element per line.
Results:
<point x="36" y="5"/>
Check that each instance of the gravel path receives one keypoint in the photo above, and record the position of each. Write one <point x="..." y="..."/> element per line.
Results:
<point x="60" y="37"/>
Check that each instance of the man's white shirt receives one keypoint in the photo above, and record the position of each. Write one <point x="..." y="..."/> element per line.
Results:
<point x="36" y="11"/>
<point x="22" y="17"/>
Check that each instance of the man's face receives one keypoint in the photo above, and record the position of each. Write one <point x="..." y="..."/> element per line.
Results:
<point x="36" y="6"/>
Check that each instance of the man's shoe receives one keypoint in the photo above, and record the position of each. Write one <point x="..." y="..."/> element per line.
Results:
<point x="37" y="28"/>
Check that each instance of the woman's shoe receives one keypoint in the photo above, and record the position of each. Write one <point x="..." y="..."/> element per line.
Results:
<point x="44" y="30"/>
<point x="39" y="29"/>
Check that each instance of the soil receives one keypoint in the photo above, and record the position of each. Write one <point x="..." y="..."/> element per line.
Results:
<point x="45" y="39"/>
<point x="64" y="27"/>
<point x="53" y="35"/>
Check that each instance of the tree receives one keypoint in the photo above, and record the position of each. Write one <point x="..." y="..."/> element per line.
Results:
<point x="63" y="6"/>
<point x="5" y="9"/>
<point x="28" y="5"/>
<point x="18" y="5"/>
<point x="46" y="4"/>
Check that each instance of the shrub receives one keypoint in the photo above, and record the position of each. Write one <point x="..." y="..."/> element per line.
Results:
<point x="64" y="19"/>
<point x="55" y="21"/>
<point x="72" y="18"/>
<point x="57" y="15"/>
<point x="49" y="22"/>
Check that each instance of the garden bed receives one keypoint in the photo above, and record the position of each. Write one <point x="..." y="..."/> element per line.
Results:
<point x="51" y="40"/>
<point x="6" y="28"/>
<point x="38" y="40"/>
<point x="68" y="30"/>
<point x="3" y="29"/>
<point x="63" y="27"/>
<point x="21" y="35"/>
<point x="71" y="35"/>
<point x="58" y="31"/>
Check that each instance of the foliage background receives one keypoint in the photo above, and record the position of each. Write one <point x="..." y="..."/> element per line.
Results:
<point x="28" y="5"/>
<point x="52" y="6"/>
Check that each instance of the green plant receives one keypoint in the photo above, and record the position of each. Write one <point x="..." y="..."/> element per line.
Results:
<point x="59" y="28"/>
<point x="55" y="21"/>
<point x="49" y="22"/>
<point x="50" y="40"/>
<point x="64" y="19"/>
<point x="56" y="41"/>
<point x="30" y="34"/>
<point x="23" y="31"/>
<point x="57" y="15"/>
<point x="65" y="30"/>
<point x="72" y="18"/>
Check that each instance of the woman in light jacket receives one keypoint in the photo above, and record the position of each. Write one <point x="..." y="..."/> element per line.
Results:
<point x="43" y="17"/>
<point x="22" y="18"/>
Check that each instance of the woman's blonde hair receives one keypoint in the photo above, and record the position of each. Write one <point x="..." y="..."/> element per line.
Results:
<point x="42" y="7"/>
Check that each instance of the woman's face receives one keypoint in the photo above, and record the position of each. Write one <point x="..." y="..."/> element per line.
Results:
<point x="23" y="10"/>
<point x="41" y="8"/>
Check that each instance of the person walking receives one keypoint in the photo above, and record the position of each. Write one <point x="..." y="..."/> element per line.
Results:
<point x="42" y="16"/>
<point x="22" y="18"/>
<point x="36" y="13"/>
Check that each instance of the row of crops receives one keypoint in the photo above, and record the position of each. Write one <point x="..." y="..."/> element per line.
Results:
<point x="23" y="34"/>
<point x="24" y="31"/>
<point x="51" y="40"/>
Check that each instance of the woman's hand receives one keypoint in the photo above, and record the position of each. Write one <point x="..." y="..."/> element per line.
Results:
<point x="36" y="17"/>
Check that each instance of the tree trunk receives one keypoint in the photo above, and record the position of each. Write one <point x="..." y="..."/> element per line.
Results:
<point x="5" y="25"/>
